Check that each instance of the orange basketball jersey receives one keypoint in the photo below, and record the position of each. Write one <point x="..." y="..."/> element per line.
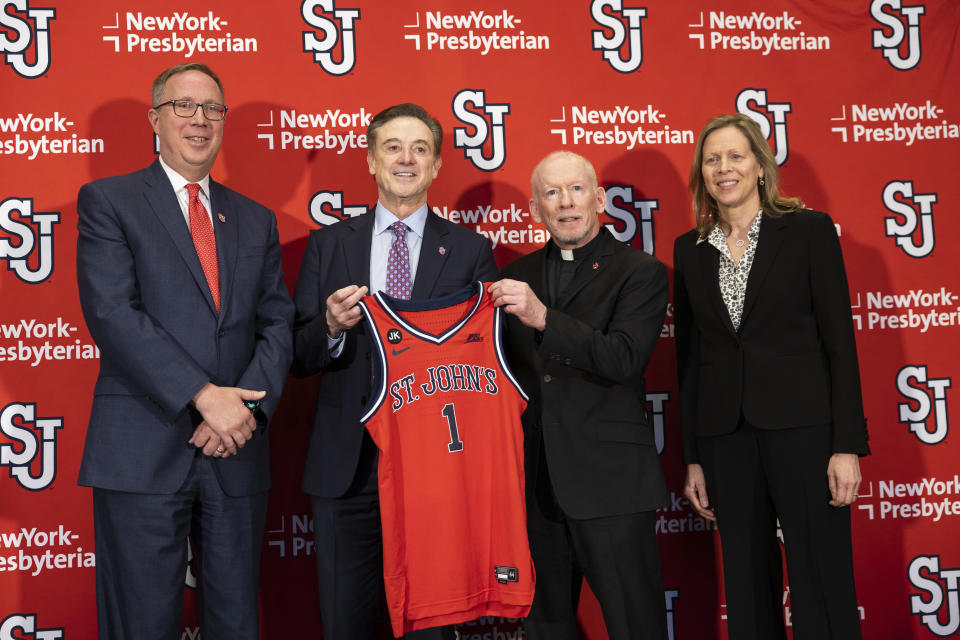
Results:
<point x="445" y="414"/>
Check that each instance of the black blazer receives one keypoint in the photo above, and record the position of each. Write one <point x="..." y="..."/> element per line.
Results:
<point x="584" y="375"/>
<point x="794" y="360"/>
<point x="338" y="256"/>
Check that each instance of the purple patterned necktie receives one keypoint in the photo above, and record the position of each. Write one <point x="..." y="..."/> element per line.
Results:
<point x="398" y="264"/>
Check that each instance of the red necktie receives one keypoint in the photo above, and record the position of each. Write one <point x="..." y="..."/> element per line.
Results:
<point x="204" y="241"/>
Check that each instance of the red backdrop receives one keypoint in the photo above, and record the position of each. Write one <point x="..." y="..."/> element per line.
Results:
<point x="861" y="105"/>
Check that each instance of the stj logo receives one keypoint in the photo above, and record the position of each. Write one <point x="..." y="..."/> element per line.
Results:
<point x="612" y="46"/>
<point x="27" y="623"/>
<point x="911" y="220"/>
<point x="937" y="597"/>
<point x="190" y="578"/>
<point x="44" y="442"/>
<point x="635" y="216"/>
<point x="658" y="402"/>
<point x="670" y="595"/>
<point x="917" y="418"/>
<point x="889" y="45"/>
<point x="322" y="49"/>
<point x="472" y="144"/>
<point x="327" y="208"/>
<point x="15" y="51"/>
<point x="17" y="254"/>
<point x="778" y="112"/>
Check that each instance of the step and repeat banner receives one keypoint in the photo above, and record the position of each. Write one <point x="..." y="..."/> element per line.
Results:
<point x="860" y="104"/>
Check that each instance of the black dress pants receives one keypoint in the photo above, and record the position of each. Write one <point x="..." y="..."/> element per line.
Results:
<point x="755" y="476"/>
<point x="618" y="556"/>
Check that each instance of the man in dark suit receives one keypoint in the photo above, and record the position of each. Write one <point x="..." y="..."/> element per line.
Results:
<point x="182" y="289"/>
<point x="427" y="257"/>
<point x="585" y="313"/>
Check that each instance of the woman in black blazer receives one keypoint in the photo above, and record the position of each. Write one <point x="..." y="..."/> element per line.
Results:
<point x="770" y="388"/>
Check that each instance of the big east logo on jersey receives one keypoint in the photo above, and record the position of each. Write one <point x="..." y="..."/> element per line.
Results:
<point x="33" y="29"/>
<point x="904" y="233"/>
<point x="890" y="45"/>
<point x="936" y="597"/>
<point x="30" y="444"/>
<point x="17" y="254"/>
<point x="27" y="623"/>
<point x="778" y="113"/>
<point x="327" y="208"/>
<point x="629" y="36"/>
<point x="322" y="48"/>
<point x="918" y="418"/>
<point x="634" y="216"/>
<point x="495" y="131"/>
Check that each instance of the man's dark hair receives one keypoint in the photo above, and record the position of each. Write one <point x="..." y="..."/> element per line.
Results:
<point x="405" y="110"/>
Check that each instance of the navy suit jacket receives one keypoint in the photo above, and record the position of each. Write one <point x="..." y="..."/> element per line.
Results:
<point x="451" y="256"/>
<point x="793" y="361"/>
<point x="149" y="309"/>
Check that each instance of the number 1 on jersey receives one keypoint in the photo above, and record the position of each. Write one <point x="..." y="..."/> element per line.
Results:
<point x="448" y="413"/>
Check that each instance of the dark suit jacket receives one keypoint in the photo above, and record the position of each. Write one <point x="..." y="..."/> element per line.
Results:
<point x="584" y="375"/>
<point x="794" y="361"/>
<point x="149" y="309"/>
<point x="338" y="256"/>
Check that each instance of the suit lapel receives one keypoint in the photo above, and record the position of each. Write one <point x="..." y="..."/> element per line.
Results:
<point x="227" y="232"/>
<point x="538" y="278"/>
<point x="772" y="233"/>
<point x="708" y="259"/>
<point x="588" y="271"/>
<point x="356" y="250"/>
<point x="163" y="201"/>
<point x="433" y="254"/>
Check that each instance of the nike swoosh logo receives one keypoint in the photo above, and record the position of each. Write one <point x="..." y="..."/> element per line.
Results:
<point x="397" y="352"/>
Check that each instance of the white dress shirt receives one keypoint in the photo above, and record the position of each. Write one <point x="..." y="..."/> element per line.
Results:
<point x="383" y="237"/>
<point x="183" y="196"/>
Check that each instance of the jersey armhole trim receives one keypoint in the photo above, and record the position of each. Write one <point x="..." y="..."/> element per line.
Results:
<point x="501" y="356"/>
<point x="378" y="388"/>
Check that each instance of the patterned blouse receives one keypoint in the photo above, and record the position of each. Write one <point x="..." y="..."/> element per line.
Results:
<point x="733" y="276"/>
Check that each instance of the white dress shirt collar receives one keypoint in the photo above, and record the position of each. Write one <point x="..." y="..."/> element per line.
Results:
<point x="179" y="182"/>
<point x="383" y="218"/>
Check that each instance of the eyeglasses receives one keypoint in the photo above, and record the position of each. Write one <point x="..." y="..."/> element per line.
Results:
<point x="187" y="109"/>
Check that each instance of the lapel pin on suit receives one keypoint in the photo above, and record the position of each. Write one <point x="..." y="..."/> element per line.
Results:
<point x="221" y="217"/>
<point x="442" y="250"/>
<point x="596" y="265"/>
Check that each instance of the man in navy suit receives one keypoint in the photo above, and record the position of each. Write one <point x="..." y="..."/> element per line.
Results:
<point x="182" y="289"/>
<point x="342" y="264"/>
